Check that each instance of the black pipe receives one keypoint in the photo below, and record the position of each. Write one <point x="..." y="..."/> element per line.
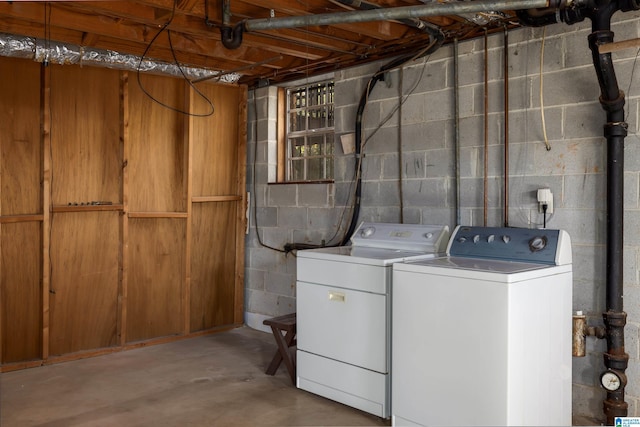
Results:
<point x="538" y="17"/>
<point x="231" y="37"/>
<point x="615" y="130"/>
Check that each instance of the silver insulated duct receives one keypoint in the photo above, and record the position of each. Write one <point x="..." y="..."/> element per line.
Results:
<point x="47" y="51"/>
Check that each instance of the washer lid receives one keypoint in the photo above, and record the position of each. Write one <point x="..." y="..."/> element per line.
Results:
<point x="481" y="264"/>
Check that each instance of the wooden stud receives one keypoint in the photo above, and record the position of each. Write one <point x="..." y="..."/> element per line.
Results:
<point x="87" y="208"/>
<point x="46" y="206"/>
<point x="124" y="224"/>
<point x="241" y="220"/>
<point x="188" y="141"/>
<point x="616" y="46"/>
<point x="158" y="215"/>
<point x="20" y="218"/>
<point x="281" y="134"/>
<point x="206" y="199"/>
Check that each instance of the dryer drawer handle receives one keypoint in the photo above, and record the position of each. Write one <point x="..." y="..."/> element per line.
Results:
<point x="336" y="296"/>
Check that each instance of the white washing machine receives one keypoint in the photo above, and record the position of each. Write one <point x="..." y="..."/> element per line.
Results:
<point x="483" y="335"/>
<point x="343" y="312"/>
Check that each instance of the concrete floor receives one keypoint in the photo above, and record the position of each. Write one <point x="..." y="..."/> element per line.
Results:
<point x="214" y="380"/>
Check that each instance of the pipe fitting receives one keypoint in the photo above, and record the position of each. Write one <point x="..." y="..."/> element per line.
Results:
<point x="231" y="37"/>
<point x="597" y="331"/>
<point x="615" y="318"/>
<point x="613" y="105"/>
<point x="538" y="17"/>
<point x="618" y="362"/>
<point x="581" y="331"/>
<point x="579" y="335"/>
<point x="629" y="5"/>
<point x="615" y="129"/>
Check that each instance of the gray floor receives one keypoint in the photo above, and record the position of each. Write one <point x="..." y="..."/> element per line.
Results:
<point x="214" y="380"/>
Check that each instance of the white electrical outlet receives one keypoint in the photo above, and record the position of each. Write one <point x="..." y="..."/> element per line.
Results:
<point x="545" y="197"/>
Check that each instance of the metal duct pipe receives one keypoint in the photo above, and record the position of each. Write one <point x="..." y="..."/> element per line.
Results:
<point x="396" y="13"/>
<point x="412" y="22"/>
<point x="232" y="36"/>
<point x="64" y="54"/>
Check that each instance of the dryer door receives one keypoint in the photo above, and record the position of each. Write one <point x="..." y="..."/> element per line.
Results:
<point x="343" y="324"/>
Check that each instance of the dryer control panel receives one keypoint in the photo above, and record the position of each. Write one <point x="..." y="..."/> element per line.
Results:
<point x="408" y="237"/>
<point x="541" y="246"/>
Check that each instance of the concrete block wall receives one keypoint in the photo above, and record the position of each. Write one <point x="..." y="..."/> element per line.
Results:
<point x="409" y="169"/>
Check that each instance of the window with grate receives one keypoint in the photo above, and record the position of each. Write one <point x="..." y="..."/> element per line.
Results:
<point x="309" y="132"/>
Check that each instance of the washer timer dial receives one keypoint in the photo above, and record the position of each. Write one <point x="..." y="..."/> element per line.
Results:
<point x="537" y="243"/>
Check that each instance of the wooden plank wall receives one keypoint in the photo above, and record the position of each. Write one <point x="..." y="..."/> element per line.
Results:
<point x="121" y="221"/>
<point x="21" y="212"/>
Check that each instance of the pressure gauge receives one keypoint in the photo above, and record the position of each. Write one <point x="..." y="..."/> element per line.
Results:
<point x="611" y="380"/>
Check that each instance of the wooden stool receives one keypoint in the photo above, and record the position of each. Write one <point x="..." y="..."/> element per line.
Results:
<point x="278" y="324"/>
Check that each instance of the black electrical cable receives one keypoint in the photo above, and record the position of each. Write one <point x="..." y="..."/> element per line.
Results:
<point x="177" y="110"/>
<point x="633" y="70"/>
<point x="436" y="42"/>
<point x="432" y="47"/>
<point x="253" y="178"/>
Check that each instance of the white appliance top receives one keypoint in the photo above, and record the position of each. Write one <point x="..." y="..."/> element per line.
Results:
<point x="385" y="244"/>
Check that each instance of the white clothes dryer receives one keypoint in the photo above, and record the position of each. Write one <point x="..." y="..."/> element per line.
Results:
<point x="343" y="311"/>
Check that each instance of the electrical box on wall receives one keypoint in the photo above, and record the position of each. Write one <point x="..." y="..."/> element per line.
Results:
<point x="545" y="200"/>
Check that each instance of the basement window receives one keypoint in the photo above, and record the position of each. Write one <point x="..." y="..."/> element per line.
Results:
<point x="305" y="137"/>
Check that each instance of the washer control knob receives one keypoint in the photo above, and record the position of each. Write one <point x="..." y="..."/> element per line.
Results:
<point x="367" y="232"/>
<point x="506" y="238"/>
<point x="428" y="235"/>
<point x="462" y="239"/>
<point x="538" y="243"/>
<point x="491" y="238"/>
<point x="476" y="238"/>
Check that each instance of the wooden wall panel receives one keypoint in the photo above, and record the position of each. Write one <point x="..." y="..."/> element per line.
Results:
<point x="155" y="277"/>
<point x="20" y="292"/>
<point x="157" y="157"/>
<point x="85" y="254"/>
<point x="167" y="260"/>
<point x="20" y="142"/>
<point x="213" y="265"/>
<point x="215" y="151"/>
<point x="85" y="135"/>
